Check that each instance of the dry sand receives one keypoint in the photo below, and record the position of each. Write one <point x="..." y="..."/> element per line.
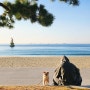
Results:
<point x="28" y="70"/>
<point x="80" y="62"/>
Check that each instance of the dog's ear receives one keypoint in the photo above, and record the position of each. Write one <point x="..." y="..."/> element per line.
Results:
<point x="47" y="72"/>
<point x="44" y="72"/>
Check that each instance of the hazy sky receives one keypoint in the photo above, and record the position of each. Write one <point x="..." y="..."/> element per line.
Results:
<point x="71" y="25"/>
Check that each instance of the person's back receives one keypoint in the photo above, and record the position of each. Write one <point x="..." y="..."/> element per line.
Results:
<point x="67" y="74"/>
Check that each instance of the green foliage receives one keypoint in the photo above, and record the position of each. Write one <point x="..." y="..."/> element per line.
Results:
<point x="6" y="22"/>
<point x="25" y="9"/>
<point x="72" y="2"/>
<point x="45" y="18"/>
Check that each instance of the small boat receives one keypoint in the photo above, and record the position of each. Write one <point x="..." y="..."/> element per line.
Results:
<point x="12" y="43"/>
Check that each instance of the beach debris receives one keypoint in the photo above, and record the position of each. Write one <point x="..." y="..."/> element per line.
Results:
<point x="67" y="74"/>
<point x="12" y="43"/>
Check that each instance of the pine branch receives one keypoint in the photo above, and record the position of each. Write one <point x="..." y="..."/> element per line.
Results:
<point x="4" y="6"/>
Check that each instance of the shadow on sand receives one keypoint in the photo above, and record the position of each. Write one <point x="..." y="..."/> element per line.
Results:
<point x="87" y="86"/>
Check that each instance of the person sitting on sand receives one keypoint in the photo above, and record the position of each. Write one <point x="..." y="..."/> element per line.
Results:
<point x="67" y="74"/>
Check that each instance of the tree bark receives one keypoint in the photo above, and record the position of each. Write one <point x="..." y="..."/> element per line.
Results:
<point x="4" y="6"/>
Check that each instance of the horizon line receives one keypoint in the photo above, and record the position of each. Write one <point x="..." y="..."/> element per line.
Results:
<point x="41" y="43"/>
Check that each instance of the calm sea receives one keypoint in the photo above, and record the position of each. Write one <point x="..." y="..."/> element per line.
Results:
<point x="45" y="50"/>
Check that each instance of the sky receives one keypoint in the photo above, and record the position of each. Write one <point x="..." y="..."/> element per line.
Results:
<point x="71" y="25"/>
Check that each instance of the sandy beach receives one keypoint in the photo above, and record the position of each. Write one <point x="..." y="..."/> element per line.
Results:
<point x="28" y="70"/>
<point x="52" y="62"/>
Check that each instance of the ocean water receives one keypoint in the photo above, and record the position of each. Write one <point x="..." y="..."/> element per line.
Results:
<point x="46" y="50"/>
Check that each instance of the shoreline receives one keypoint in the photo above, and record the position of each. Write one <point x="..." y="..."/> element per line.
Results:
<point x="44" y="55"/>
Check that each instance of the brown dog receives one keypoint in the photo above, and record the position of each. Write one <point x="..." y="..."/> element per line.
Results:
<point x="45" y="78"/>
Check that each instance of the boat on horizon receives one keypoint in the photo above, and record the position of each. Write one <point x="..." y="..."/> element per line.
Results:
<point x="12" y="43"/>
